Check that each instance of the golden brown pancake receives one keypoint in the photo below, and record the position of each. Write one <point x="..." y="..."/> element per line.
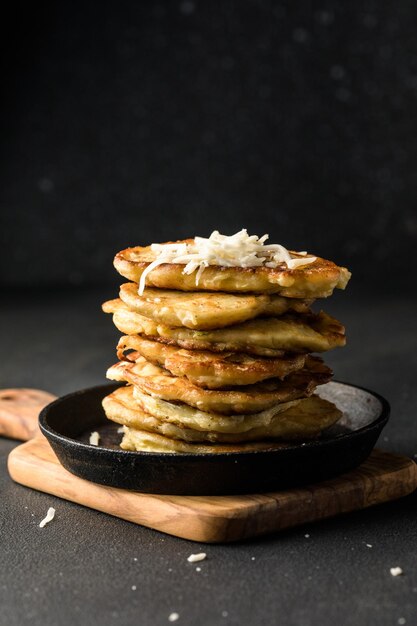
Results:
<point x="316" y="280"/>
<point x="272" y="336"/>
<point x="190" y="417"/>
<point x="212" y="370"/>
<point x="144" y="441"/>
<point x="304" y="419"/>
<point x="202" y="310"/>
<point x="160" y="383"/>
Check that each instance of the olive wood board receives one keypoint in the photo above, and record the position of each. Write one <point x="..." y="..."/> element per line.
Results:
<point x="19" y="411"/>
<point x="215" y="519"/>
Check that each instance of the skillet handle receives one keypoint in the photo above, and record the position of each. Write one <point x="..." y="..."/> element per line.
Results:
<point x="19" y="411"/>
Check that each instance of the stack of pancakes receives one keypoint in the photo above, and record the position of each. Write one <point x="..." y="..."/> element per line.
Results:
<point x="224" y="365"/>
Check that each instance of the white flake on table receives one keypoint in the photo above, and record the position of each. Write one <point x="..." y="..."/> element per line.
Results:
<point x="49" y="517"/>
<point x="396" y="571"/>
<point x="194" y="558"/>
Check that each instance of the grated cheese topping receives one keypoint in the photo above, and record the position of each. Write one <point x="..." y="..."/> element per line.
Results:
<point x="49" y="517"/>
<point x="238" y="250"/>
<point x="94" y="438"/>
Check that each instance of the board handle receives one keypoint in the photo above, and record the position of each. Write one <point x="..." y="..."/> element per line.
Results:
<point x="19" y="412"/>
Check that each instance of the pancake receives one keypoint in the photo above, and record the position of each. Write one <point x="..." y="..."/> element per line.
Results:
<point x="205" y="310"/>
<point x="143" y="441"/>
<point x="316" y="280"/>
<point x="190" y="417"/>
<point x="212" y="370"/>
<point x="159" y="383"/>
<point x="306" y="419"/>
<point x="272" y="336"/>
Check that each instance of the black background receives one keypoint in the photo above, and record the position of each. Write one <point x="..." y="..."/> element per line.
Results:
<point x="131" y="122"/>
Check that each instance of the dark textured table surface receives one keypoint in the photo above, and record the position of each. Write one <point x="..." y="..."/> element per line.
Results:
<point x="89" y="568"/>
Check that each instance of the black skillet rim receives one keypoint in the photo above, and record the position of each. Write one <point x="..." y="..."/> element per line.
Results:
<point x="50" y="433"/>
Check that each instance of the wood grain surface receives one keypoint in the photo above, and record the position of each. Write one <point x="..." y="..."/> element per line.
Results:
<point x="382" y="477"/>
<point x="19" y="411"/>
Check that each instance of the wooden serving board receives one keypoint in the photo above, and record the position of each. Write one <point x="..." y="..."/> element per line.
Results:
<point x="382" y="477"/>
<point x="19" y="410"/>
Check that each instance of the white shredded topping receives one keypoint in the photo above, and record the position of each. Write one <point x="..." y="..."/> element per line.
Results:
<point x="94" y="438"/>
<point x="49" y="517"/>
<point x="194" y="558"/>
<point x="396" y="571"/>
<point x="238" y="250"/>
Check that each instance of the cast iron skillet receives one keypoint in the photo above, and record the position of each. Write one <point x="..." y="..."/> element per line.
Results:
<point x="68" y="422"/>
